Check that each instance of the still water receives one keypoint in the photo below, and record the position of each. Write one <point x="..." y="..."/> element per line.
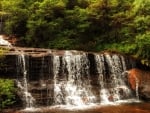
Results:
<point x="141" y="107"/>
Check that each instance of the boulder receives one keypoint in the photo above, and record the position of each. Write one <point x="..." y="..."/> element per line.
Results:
<point x="139" y="80"/>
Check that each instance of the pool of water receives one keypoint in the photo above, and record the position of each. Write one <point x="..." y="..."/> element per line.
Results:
<point x="136" y="107"/>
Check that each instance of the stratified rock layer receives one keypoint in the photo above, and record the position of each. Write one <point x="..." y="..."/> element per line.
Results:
<point x="50" y="77"/>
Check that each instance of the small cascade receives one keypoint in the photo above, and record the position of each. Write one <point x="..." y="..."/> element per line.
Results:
<point x="71" y="80"/>
<point x="101" y="78"/>
<point x="22" y="82"/>
<point x="4" y="42"/>
<point x="137" y="88"/>
<point x="112" y="86"/>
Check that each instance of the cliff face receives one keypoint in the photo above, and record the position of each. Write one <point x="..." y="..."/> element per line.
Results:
<point x="49" y="77"/>
<point x="31" y="70"/>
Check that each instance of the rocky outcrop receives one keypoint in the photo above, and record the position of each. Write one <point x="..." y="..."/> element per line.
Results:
<point x="51" y="77"/>
<point x="140" y="80"/>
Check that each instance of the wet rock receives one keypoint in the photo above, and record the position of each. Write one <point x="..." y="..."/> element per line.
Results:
<point x="54" y="77"/>
<point x="145" y="92"/>
<point x="140" y="80"/>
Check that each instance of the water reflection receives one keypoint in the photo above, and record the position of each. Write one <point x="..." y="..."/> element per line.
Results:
<point x="124" y="108"/>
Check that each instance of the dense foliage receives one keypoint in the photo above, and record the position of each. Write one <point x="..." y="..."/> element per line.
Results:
<point x="91" y="25"/>
<point x="7" y="88"/>
<point x="6" y="93"/>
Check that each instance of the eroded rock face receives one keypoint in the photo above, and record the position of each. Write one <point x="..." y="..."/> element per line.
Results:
<point x="140" y="79"/>
<point x="51" y="77"/>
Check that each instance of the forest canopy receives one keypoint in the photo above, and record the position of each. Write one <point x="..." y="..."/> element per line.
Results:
<point x="90" y="25"/>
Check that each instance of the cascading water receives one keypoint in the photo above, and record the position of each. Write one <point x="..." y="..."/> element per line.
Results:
<point x="4" y="42"/>
<point x="71" y="78"/>
<point x="22" y="82"/>
<point x="137" y="88"/>
<point x="113" y="88"/>
<point x="101" y="69"/>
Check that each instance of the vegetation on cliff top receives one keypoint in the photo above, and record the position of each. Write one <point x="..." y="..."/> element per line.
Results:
<point x="91" y="25"/>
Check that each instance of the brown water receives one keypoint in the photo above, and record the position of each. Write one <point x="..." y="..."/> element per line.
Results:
<point x="124" y="108"/>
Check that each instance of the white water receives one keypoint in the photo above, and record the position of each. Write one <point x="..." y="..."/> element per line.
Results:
<point x="72" y="79"/>
<point x="111" y="90"/>
<point x="73" y="88"/>
<point x="4" y="42"/>
<point x="137" y="88"/>
<point x="22" y="83"/>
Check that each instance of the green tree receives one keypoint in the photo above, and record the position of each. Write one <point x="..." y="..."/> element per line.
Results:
<point x="7" y="89"/>
<point x="15" y="21"/>
<point x="91" y="25"/>
<point x="143" y="47"/>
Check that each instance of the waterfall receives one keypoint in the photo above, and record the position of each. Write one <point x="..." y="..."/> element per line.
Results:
<point x="101" y="78"/>
<point x="137" y="88"/>
<point x="113" y="87"/>
<point x="22" y="82"/>
<point x="73" y="78"/>
<point x="4" y="42"/>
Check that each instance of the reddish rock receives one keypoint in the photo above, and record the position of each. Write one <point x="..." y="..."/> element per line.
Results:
<point x="141" y="79"/>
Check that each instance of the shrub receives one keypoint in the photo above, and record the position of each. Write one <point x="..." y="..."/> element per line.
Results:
<point x="7" y="95"/>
